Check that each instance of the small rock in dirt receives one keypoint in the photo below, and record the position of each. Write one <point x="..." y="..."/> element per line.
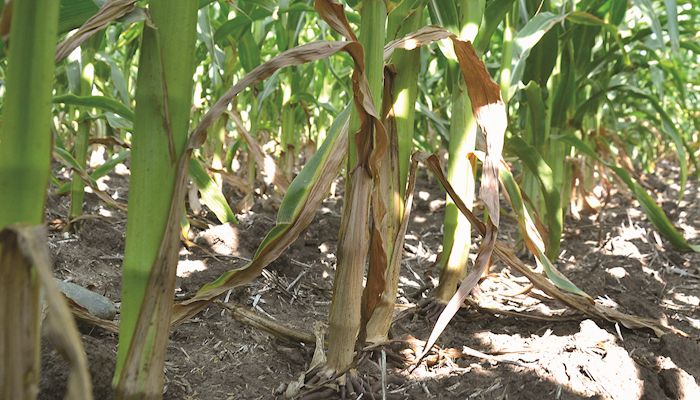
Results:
<point x="95" y="303"/>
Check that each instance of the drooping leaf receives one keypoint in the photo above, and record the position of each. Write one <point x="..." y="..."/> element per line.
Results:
<point x="109" y="12"/>
<point x="212" y="196"/>
<point x="101" y="102"/>
<point x="532" y="159"/>
<point x="296" y="212"/>
<point x="656" y="214"/>
<point x="527" y="38"/>
<point x="99" y="172"/>
<point x="533" y="241"/>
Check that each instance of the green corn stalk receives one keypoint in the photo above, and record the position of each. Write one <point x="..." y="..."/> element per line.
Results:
<point x="405" y="19"/>
<point x="163" y="102"/>
<point x="536" y="135"/>
<point x="344" y="315"/>
<point x="289" y="136"/>
<point x="507" y="52"/>
<point x="80" y="149"/>
<point x="288" y="33"/>
<point x="25" y="158"/>
<point x="460" y="168"/>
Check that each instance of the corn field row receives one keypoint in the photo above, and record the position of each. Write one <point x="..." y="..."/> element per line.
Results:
<point x="532" y="109"/>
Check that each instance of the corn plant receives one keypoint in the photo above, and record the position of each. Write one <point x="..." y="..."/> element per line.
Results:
<point x="554" y="120"/>
<point x="25" y="156"/>
<point x="399" y="118"/>
<point x="463" y="19"/>
<point x="80" y="148"/>
<point x="161" y="123"/>
<point x="580" y="86"/>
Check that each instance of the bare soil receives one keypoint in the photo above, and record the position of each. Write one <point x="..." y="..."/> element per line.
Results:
<point x="532" y="349"/>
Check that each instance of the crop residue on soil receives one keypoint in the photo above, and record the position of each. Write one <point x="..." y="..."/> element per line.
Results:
<point x="516" y="344"/>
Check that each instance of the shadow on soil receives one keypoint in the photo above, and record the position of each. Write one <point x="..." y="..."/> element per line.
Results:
<point x="614" y="256"/>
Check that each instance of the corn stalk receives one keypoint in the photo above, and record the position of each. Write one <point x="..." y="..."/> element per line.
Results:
<point x="80" y="148"/>
<point x="399" y="120"/>
<point x="163" y="101"/>
<point x="25" y="157"/>
<point x="353" y="246"/>
<point x="461" y="165"/>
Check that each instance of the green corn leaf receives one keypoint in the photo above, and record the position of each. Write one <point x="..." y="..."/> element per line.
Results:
<point x="669" y="128"/>
<point x="236" y="25"/>
<point x="118" y="122"/>
<point x="618" y="11"/>
<point x="526" y="39"/>
<point x="212" y="196"/>
<point x="248" y="51"/>
<point x="68" y="160"/>
<point x="656" y="214"/>
<point x="230" y="27"/>
<point x="531" y="34"/>
<point x="298" y="190"/>
<point x="99" y="172"/>
<point x="524" y="220"/>
<point x="117" y="76"/>
<point x="295" y="200"/>
<point x="534" y="162"/>
<point x="108" y="165"/>
<point x="494" y="14"/>
<point x="586" y="19"/>
<point x="100" y="102"/>
<point x="647" y="7"/>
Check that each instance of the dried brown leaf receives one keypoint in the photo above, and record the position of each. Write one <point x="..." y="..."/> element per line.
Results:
<point x="376" y="284"/>
<point x="84" y="315"/>
<point x="483" y="260"/>
<point x="333" y="14"/>
<point x="264" y="162"/>
<point x="276" y="247"/>
<point x="485" y="96"/>
<point x="507" y="255"/>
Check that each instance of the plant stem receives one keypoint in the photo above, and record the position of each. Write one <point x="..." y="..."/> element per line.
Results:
<point x="402" y="20"/>
<point x="460" y="169"/>
<point x="25" y="159"/>
<point x="353" y="243"/>
<point x="163" y="102"/>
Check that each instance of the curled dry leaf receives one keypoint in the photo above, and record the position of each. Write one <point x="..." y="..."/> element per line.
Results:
<point x="485" y="96"/>
<point x="264" y="162"/>
<point x="111" y="10"/>
<point x="374" y="290"/>
<point x="371" y="142"/>
<point x="578" y="300"/>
